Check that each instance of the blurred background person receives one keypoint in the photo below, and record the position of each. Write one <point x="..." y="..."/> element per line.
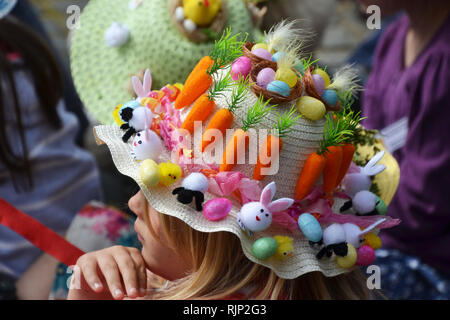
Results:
<point x="406" y="97"/>
<point x="42" y="171"/>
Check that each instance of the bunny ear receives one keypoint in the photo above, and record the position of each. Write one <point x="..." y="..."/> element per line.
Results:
<point x="147" y="82"/>
<point x="371" y="168"/>
<point x="268" y="193"/>
<point x="372" y="226"/>
<point x="374" y="170"/>
<point x="137" y="86"/>
<point x="280" y="205"/>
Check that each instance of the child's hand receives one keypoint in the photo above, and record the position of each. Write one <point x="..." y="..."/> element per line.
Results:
<point x="115" y="268"/>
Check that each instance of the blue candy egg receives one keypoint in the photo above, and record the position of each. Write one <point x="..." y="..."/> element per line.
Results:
<point x="280" y="87"/>
<point x="300" y="67"/>
<point x="277" y="55"/>
<point x="310" y="227"/>
<point x="330" y="97"/>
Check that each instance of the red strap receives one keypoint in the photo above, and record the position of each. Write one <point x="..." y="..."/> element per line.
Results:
<point x="38" y="234"/>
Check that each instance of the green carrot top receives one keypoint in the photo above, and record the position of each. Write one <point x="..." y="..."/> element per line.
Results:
<point x="309" y="62"/>
<point x="227" y="49"/>
<point x="219" y="86"/>
<point x="347" y="118"/>
<point x="333" y="135"/>
<point x="285" y="122"/>
<point x="239" y="90"/>
<point x="256" y="113"/>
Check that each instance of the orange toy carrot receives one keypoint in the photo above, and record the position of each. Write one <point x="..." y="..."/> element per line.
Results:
<point x="283" y="126"/>
<point x="332" y="168"/>
<point x="316" y="162"/>
<point x="310" y="173"/>
<point x="223" y="118"/>
<point x="239" y="140"/>
<point x="348" y="120"/>
<point x="205" y="105"/>
<point x="225" y="50"/>
<point x="197" y="82"/>
<point x="347" y="157"/>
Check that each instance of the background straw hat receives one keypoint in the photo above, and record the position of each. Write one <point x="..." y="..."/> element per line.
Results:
<point x="297" y="145"/>
<point x="101" y="73"/>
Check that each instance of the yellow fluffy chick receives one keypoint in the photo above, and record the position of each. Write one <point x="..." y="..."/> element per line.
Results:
<point x="168" y="173"/>
<point x="285" y="247"/>
<point x="201" y="12"/>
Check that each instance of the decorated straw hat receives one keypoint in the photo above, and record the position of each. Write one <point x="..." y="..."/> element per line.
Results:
<point x="288" y="220"/>
<point x="118" y="38"/>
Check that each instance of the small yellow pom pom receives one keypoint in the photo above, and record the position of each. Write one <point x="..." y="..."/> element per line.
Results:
<point x="285" y="247"/>
<point x="169" y="173"/>
<point x="116" y="116"/>
<point x="350" y="259"/>
<point x="372" y="240"/>
<point x="286" y="75"/>
<point x="324" y="75"/>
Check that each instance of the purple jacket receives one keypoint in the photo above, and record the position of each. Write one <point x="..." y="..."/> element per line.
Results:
<point x="419" y="92"/>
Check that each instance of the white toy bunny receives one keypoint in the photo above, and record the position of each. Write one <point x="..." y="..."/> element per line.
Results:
<point x="146" y="144"/>
<point x="355" y="182"/>
<point x="257" y="216"/>
<point x="142" y="89"/>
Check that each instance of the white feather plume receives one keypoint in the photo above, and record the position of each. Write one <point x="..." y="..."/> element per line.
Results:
<point x="282" y="34"/>
<point x="346" y="79"/>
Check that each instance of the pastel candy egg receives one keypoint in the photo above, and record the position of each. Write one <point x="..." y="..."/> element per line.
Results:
<point x="262" y="53"/>
<point x="350" y="259"/>
<point x="310" y="227"/>
<point x="299" y="67"/>
<point x="149" y="173"/>
<point x="330" y="97"/>
<point x="311" y="108"/>
<point x="372" y="240"/>
<point x="324" y="75"/>
<point x="260" y="46"/>
<point x="380" y="206"/>
<point x="189" y="25"/>
<point x="286" y="75"/>
<point x="366" y="255"/>
<point x="179" y="14"/>
<point x="217" y="209"/>
<point x="240" y="68"/>
<point x="265" y="76"/>
<point x="264" y="248"/>
<point x="277" y="55"/>
<point x="280" y="87"/>
<point x="319" y="83"/>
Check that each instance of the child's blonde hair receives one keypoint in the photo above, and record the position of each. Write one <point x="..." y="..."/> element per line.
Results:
<point x="220" y="269"/>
